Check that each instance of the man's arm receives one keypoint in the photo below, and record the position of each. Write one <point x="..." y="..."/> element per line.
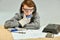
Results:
<point x="35" y="24"/>
<point x="13" y="22"/>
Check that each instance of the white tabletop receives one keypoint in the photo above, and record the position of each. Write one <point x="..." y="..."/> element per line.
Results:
<point x="30" y="34"/>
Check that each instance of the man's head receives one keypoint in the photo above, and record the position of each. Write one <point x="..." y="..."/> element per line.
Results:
<point x="28" y="7"/>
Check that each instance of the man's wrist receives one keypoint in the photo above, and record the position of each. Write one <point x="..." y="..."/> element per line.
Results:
<point x="20" y="26"/>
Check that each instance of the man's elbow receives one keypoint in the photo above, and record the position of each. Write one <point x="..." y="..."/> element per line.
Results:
<point x="6" y="25"/>
<point x="37" y="26"/>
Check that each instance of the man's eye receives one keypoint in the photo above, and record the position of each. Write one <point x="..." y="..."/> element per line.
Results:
<point x="26" y="9"/>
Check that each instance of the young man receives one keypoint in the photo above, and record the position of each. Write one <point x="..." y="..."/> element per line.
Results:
<point x="27" y="18"/>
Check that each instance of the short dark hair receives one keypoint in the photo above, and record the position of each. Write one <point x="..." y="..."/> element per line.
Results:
<point x="29" y="4"/>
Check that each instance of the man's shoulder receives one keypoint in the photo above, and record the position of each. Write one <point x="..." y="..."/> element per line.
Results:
<point x="19" y="14"/>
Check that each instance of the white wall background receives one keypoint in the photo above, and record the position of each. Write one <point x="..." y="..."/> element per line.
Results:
<point x="49" y="10"/>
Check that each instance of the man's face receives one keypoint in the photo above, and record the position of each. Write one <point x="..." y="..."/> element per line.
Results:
<point x="27" y="10"/>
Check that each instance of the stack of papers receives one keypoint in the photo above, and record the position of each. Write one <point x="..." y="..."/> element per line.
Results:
<point x="17" y="30"/>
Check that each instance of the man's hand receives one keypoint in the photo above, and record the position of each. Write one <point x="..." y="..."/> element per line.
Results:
<point x="24" y="21"/>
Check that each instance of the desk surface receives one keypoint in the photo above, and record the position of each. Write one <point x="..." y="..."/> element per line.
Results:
<point x="6" y="35"/>
<point x="55" y="38"/>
